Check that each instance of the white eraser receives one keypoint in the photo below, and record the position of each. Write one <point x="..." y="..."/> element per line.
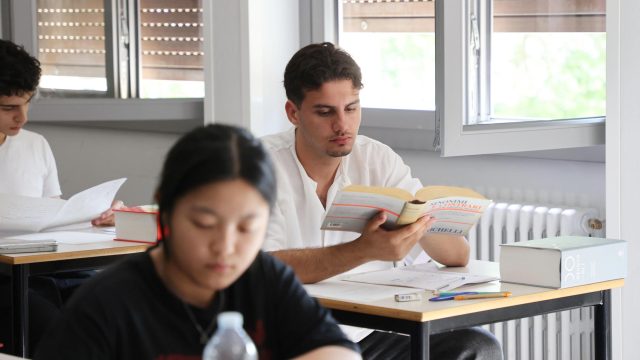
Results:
<point x="408" y="297"/>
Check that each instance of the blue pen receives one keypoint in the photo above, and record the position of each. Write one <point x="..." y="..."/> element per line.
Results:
<point x="450" y="295"/>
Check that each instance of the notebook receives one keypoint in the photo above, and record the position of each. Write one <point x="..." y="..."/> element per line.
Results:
<point x="15" y="246"/>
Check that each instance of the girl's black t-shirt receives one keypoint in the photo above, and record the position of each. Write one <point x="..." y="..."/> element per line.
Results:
<point x="126" y="312"/>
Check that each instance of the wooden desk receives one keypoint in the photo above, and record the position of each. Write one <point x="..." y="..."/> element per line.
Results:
<point x="420" y="319"/>
<point x="68" y="257"/>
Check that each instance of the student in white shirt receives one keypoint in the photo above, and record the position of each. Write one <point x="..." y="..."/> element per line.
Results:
<point x="27" y="167"/>
<point x="27" y="164"/>
<point x="321" y="155"/>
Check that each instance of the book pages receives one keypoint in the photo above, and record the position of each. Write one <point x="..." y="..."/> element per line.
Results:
<point x="30" y="214"/>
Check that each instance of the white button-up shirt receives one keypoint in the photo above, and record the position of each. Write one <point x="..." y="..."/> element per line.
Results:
<point x="298" y="213"/>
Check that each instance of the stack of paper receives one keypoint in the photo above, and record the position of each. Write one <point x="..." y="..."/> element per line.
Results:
<point x="13" y="246"/>
<point x="65" y="237"/>
<point x="30" y="214"/>
<point x="423" y="276"/>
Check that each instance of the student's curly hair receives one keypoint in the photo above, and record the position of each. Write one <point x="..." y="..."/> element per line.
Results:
<point x="314" y="65"/>
<point x="19" y="71"/>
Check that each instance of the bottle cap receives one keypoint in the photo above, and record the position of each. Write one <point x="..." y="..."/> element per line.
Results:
<point x="230" y="319"/>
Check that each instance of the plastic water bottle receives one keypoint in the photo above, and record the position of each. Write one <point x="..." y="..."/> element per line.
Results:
<point x="230" y="341"/>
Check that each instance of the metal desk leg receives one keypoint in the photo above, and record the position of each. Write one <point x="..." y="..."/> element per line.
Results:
<point x="19" y="309"/>
<point x="420" y="341"/>
<point x="602" y="327"/>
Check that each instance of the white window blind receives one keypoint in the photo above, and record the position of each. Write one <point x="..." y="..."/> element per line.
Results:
<point x="171" y="34"/>
<point x="140" y="48"/>
<point x="71" y="44"/>
<point x="509" y="15"/>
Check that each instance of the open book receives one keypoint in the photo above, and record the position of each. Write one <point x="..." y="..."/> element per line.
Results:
<point x="31" y="214"/>
<point x="455" y="209"/>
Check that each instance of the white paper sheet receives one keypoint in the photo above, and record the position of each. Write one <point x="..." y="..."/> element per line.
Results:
<point x="406" y="278"/>
<point x="423" y="276"/>
<point x="24" y="213"/>
<point x="350" y="291"/>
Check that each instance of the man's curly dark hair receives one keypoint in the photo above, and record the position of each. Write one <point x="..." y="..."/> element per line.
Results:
<point x="316" y="64"/>
<point x="19" y="71"/>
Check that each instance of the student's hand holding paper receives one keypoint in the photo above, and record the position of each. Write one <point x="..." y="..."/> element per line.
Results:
<point x="107" y="218"/>
<point x="378" y="243"/>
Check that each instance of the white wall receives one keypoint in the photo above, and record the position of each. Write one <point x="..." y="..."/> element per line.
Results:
<point x="87" y="157"/>
<point x="253" y="41"/>
<point x="277" y="43"/>
<point x="623" y="168"/>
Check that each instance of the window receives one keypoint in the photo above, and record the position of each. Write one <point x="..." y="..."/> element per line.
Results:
<point x="172" y="49"/>
<point x="545" y="59"/>
<point x="123" y="64"/>
<point x="71" y="46"/>
<point x="131" y="49"/>
<point x="394" y="43"/>
<point x="494" y="71"/>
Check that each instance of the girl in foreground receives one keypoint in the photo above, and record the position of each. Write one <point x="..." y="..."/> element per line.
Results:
<point x="214" y="197"/>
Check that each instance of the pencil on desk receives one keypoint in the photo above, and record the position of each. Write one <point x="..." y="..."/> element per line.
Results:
<point x="483" y="296"/>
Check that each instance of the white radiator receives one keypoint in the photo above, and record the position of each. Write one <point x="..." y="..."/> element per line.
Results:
<point x="558" y="336"/>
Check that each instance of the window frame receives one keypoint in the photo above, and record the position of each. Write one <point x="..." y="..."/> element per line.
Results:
<point x="156" y="115"/>
<point x="458" y="139"/>
<point x="444" y="130"/>
<point x="5" y="29"/>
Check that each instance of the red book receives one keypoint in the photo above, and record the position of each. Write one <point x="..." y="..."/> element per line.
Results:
<point x="137" y="224"/>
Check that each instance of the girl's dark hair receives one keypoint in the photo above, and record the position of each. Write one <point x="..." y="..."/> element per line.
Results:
<point x="210" y="154"/>
<point x="314" y="65"/>
<point x="19" y="71"/>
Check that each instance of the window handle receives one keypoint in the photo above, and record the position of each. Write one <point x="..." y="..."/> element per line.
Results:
<point x="123" y="24"/>
<point x="475" y="35"/>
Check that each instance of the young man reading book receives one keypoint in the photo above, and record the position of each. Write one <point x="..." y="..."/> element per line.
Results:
<point x="28" y="168"/>
<point x="324" y="153"/>
<point x="27" y="165"/>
